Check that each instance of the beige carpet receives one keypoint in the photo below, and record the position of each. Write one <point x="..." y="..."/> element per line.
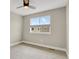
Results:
<point x="32" y="52"/>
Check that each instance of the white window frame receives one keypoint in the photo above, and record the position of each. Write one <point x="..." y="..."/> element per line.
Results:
<point x="41" y="32"/>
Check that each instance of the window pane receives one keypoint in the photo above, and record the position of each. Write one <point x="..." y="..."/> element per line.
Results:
<point x="35" y="21"/>
<point x="44" y="20"/>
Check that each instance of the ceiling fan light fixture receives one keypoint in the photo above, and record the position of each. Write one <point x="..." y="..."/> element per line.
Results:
<point x="25" y="6"/>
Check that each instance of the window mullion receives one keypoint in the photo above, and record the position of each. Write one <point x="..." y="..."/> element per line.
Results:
<point x="39" y="21"/>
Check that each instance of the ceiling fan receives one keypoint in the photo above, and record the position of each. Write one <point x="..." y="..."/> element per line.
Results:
<point x="26" y="3"/>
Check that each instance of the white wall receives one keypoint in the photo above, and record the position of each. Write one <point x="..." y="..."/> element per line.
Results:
<point x="16" y="23"/>
<point x="57" y="38"/>
<point x="67" y="27"/>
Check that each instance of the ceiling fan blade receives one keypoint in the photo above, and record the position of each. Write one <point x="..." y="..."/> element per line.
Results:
<point x="20" y="6"/>
<point x="32" y="7"/>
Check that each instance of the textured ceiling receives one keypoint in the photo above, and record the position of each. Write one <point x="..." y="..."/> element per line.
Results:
<point x="41" y="5"/>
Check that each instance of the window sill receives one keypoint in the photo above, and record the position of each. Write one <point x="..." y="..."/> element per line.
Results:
<point x="40" y="32"/>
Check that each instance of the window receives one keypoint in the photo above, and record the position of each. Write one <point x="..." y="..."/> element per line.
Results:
<point x="40" y="24"/>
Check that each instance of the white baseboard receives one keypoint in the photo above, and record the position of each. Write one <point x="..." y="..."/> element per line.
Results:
<point x="56" y="48"/>
<point x="16" y="43"/>
<point x="50" y="47"/>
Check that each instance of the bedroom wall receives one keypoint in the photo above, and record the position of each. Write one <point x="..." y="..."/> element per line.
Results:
<point x="57" y="38"/>
<point x="67" y="27"/>
<point x="16" y="23"/>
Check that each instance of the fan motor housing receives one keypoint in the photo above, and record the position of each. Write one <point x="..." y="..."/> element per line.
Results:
<point x="26" y="3"/>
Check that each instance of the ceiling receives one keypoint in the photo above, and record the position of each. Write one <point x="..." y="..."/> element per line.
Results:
<point x="41" y="5"/>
